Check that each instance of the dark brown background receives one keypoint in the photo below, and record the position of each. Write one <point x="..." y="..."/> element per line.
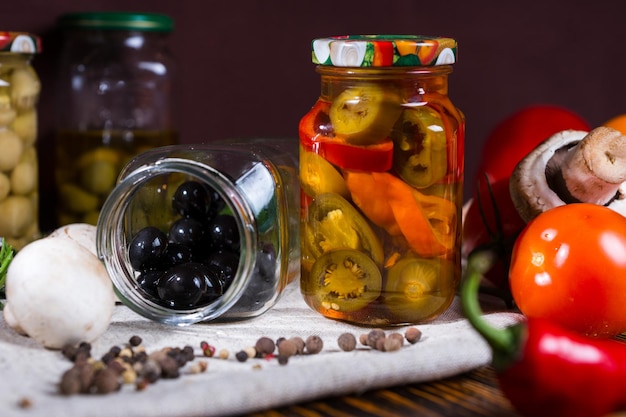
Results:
<point x="245" y="70"/>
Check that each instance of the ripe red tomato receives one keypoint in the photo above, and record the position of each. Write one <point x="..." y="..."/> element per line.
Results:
<point x="569" y="266"/>
<point x="514" y="137"/>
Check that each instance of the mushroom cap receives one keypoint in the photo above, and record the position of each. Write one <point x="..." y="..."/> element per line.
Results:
<point x="58" y="293"/>
<point x="528" y="185"/>
<point x="83" y="233"/>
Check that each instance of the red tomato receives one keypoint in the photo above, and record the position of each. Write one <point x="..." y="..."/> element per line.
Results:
<point x="517" y="135"/>
<point x="569" y="266"/>
<point x="316" y="134"/>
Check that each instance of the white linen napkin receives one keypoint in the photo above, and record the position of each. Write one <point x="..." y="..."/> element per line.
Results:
<point x="449" y="346"/>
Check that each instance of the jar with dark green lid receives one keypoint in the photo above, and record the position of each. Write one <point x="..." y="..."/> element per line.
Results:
<point x="114" y="101"/>
<point x="381" y="173"/>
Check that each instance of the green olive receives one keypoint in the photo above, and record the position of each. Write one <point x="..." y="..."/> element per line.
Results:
<point x="77" y="200"/>
<point x="5" y="186"/>
<point x="418" y="289"/>
<point x="24" y="178"/>
<point x="7" y="113"/>
<point x="99" y="177"/>
<point x="99" y="154"/>
<point x="345" y="280"/>
<point x="11" y="148"/>
<point x="16" y="216"/>
<point x="332" y="223"/>
<point x="25" y="87"/>
<point x="25" y="126"/>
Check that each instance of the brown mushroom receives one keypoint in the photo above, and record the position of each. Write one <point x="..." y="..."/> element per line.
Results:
<point x="572" y="166"/>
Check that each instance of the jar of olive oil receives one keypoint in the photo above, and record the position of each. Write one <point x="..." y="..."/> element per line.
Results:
<point x="113" y="101"/>
<point x="381" y="172"/>
<point x="19" y="94"/>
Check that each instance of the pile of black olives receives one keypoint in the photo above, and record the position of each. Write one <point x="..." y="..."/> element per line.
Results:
<point x="196" y="260"/>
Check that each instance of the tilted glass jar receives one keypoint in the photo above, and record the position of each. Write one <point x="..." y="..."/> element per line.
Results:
<point x="114" y="100"/>
<point x="381" y="170"/>
<point x="256" y="185"/>
<point x="19" y="167"/>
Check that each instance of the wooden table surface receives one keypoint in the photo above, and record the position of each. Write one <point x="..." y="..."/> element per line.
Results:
<point x="472" y="394"/>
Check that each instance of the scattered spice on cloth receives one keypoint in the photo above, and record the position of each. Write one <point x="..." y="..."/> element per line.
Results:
<point x="448" y="346"/>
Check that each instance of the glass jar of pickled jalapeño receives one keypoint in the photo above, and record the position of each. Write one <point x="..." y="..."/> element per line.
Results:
<point x="381" y="174"/>
<point x="196" y="233"/>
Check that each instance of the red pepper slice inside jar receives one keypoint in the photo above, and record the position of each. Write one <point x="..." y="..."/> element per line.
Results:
<point x="381" y="152"/>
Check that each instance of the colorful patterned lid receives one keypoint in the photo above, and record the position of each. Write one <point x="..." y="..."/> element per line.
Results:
<point x="19" y="42"/>
<point x="384" y="51"/>
<point x="148" y="22"/>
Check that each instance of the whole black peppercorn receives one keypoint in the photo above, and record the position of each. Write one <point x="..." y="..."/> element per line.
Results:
<point x="135" y="341"/>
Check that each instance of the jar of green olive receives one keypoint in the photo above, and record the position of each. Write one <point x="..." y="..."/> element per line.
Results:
<point x="114" y="86"/>
<point x="381" y="173"/>
<point x="204" y="232"/>
<point x="19" y="94"/>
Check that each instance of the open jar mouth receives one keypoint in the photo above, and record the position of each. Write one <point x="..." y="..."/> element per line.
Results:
<point x="143" y="197"/>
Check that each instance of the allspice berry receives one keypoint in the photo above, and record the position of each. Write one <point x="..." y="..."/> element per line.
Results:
<point x="264" y="346"/>
<point x="346" y="342"/>
<point x="413" y="335"/>
<point x="287" y="348"/>
<point x="314" y="344"/>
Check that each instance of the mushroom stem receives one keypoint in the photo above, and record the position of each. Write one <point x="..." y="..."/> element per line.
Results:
<point x="595" y="168"/>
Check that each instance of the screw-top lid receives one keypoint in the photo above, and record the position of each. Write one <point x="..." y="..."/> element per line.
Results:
<point x="149" y="22"/>
<point x="384" y="51"/>
<point x="19" y="42"/>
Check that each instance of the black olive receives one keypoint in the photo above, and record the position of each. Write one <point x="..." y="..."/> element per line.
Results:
<point x="223" y="232"/>
<point x="147" y="248"/>
<point x="192" y="199"/>
<point x="214" y="284"/>
<point x="187" y="231"/>
<point x="148" y="280"/>
<point x="183" y="285"/>
<point x="176" y="254"/>
<point x="227" y="262"/>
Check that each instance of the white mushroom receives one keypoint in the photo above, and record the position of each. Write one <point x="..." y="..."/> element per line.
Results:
<point x="569" y="167"/>
<point x="58" y="293"/>
<point x="82" y="233"/>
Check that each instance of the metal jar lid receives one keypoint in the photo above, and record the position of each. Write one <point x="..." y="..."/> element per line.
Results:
<point x="148" y="22"/>
<point x="20" y="42"/>
<point x="384" y="51"/>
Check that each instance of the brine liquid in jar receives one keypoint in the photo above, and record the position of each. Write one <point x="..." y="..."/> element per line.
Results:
<point x="88" y="163"/>
<point x="381" y="172"/>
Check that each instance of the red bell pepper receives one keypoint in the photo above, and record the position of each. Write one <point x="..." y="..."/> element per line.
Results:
<point x="543" y="369"/>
